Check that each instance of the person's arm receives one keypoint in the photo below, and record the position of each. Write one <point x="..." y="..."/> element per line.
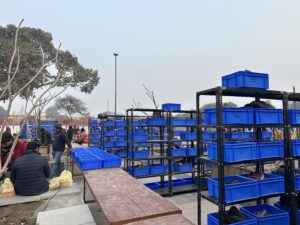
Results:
<point x="47" y="169"/>
<point x="66" y="139"/>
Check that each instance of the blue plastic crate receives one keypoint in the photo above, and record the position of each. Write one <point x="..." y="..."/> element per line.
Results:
<point x="176" y="152"/>
<point x="153" y="186"/>
<point x="139" y="137"/>
<point x="112" y="162"/>
<point x="276" y="216"/>
<point x="158" y="169"/>
<point x="90" y="164"/>
<point x="109" y="133"/>
<point x="188" y="136"/>
<point x="171" y="106"/>
<point x="141" y="154"/>
<point x="190" y="122"/>
<point x="296" y="147"/>
<point x="245" y="189"/>
<point x="121" y="133"/>
<point x="242" y="135"/>
<point x="139" y="171"/>
<point x="93" y="132"/>
<point x="267" y="135"/>
<point x="109" y="123"/>
<point x="120" y="154"/>
<point x="287" y="209"/>
<point x="270" y="149"/>
<point x="140" y="123"/>
<point x="182" y="167"/>
<point x="294" y="116"/>
<point x="234" y="151"/>
<point x="270" y="185"/>
<point x="120" y="123"/>
<point x="94" y="123"/>
<point x="230" y="116"/>
<point x="178" y="122"/>
<point x="246" y="79"/>
<point x="120" y="144"/>
<point x="109" y="144"/>
<point x="296" y="176"/>
<point x="268" y="116"/>
<point x="206" y="135"/>
<point x="192" y="151"/>
<point x="156" y="121"/>
<point x="95" y="139"/>
<point x="212" y="219"/>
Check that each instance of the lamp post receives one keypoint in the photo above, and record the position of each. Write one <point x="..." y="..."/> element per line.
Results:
<point x="116" y="54"/>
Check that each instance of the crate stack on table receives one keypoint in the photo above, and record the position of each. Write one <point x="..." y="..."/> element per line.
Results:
<point x="162" y="145"/>
<point x="94" y="158"/>
<point x="252" y="142"/>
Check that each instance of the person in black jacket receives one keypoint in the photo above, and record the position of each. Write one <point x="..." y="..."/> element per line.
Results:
<point x="59" y="143"/>
<point x="30" y="172"/>
<point x="46" y="138"/>
<point x="70" y="133"/>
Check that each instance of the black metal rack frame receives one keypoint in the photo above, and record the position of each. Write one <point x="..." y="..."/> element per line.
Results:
<point x="288" y="159"/>
<point x="130" y="115"/>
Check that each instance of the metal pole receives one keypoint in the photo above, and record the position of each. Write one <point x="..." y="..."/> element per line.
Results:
<point x="116" y="54"/>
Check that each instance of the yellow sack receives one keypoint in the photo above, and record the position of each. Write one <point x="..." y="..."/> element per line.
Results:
<point x="7" y="189"/>
<point x="54" y="184"/>
<point x="66" y="179"/>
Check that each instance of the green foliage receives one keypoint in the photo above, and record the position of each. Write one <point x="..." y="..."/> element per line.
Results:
<point x="30" y="41"/>
<point x="52" y="111"/>
<point x="71" y="105"/>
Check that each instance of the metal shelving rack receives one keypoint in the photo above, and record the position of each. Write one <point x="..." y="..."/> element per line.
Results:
<point x="288" y="159"/>
<point x="163" y="145"/>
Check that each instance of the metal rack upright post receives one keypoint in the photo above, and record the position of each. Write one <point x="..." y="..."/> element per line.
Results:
<point x="289" y="179"/>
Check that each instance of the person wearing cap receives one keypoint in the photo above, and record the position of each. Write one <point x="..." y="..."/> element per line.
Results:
<point x="30" y="172"/>
<point x="6" y="144"/>
<point x="60" y="141"/>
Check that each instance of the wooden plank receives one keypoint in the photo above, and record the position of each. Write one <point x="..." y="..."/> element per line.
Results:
<point x="124" y="199"/>
<point x="165" y="220"/>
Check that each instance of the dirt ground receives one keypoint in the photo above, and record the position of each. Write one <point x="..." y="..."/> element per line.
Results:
<point x="20" y="214"/>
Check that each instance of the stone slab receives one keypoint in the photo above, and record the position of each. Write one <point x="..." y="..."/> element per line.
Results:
<point x="74" y="190"/>
<point x="124" y="199"/>
<point x="177" y="219"/>
<point x="75" y="215"/>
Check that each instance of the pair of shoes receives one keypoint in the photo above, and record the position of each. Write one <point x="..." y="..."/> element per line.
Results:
<point x="233" y="215"/>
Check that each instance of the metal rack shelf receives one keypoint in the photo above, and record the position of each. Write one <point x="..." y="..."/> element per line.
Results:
<point x="258" y="94"/>
<point x="162" y="144"/>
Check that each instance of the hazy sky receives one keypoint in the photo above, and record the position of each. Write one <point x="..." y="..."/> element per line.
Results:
<point x="175" y="47"/>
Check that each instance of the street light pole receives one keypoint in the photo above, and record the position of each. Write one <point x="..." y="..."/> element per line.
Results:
<point x="116" y="54"/>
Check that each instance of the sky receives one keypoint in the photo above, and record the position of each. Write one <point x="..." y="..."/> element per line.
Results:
<point x="174" y="47"/>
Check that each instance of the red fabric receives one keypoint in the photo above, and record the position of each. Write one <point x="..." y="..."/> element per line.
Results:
<point x="20" y="150"/>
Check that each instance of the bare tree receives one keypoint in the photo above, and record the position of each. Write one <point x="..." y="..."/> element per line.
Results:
<point x="37" y="101"/>
<point x="151" y="95"/>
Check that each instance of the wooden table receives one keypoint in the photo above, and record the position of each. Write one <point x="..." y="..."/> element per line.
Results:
<point x="164" y="220"/>
<point x="123" y="199"/>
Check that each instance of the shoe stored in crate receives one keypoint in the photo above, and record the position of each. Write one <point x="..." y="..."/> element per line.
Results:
<point x="237" y="188"/>
<point x="246" y="79"/>
<point x="266" y="214"/>
<point x="212" y="219"/>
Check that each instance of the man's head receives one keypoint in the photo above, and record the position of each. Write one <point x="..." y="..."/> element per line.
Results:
<point x="58" y="128"/>
<point x="82" y="129"/>
<point x="7" y="140"/>
<point x="42" y="130"/>
<point x="70" y="127"/>
<point x="32" y="146"/>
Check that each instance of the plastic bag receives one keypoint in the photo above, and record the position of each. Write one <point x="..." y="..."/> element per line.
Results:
<point x="66" y="179"/>
<point x="7" y="189"/>
<point x="54" y="184"/>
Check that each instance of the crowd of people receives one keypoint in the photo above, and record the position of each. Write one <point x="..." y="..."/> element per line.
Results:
<point x="28" y="169"/>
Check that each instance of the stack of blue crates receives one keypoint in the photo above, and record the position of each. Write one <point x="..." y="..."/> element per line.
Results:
<point x="94" y="158"/>
<point x="47" y="125"/>
<point x="95" y="132"/>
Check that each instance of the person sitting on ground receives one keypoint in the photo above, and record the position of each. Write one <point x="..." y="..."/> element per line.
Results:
<point x="30" y="172"/>
<point x="83" y="138"/>
<point x="6" y="145"/>
<point x="46" y="138"/>
<point x="70" y="133"/>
